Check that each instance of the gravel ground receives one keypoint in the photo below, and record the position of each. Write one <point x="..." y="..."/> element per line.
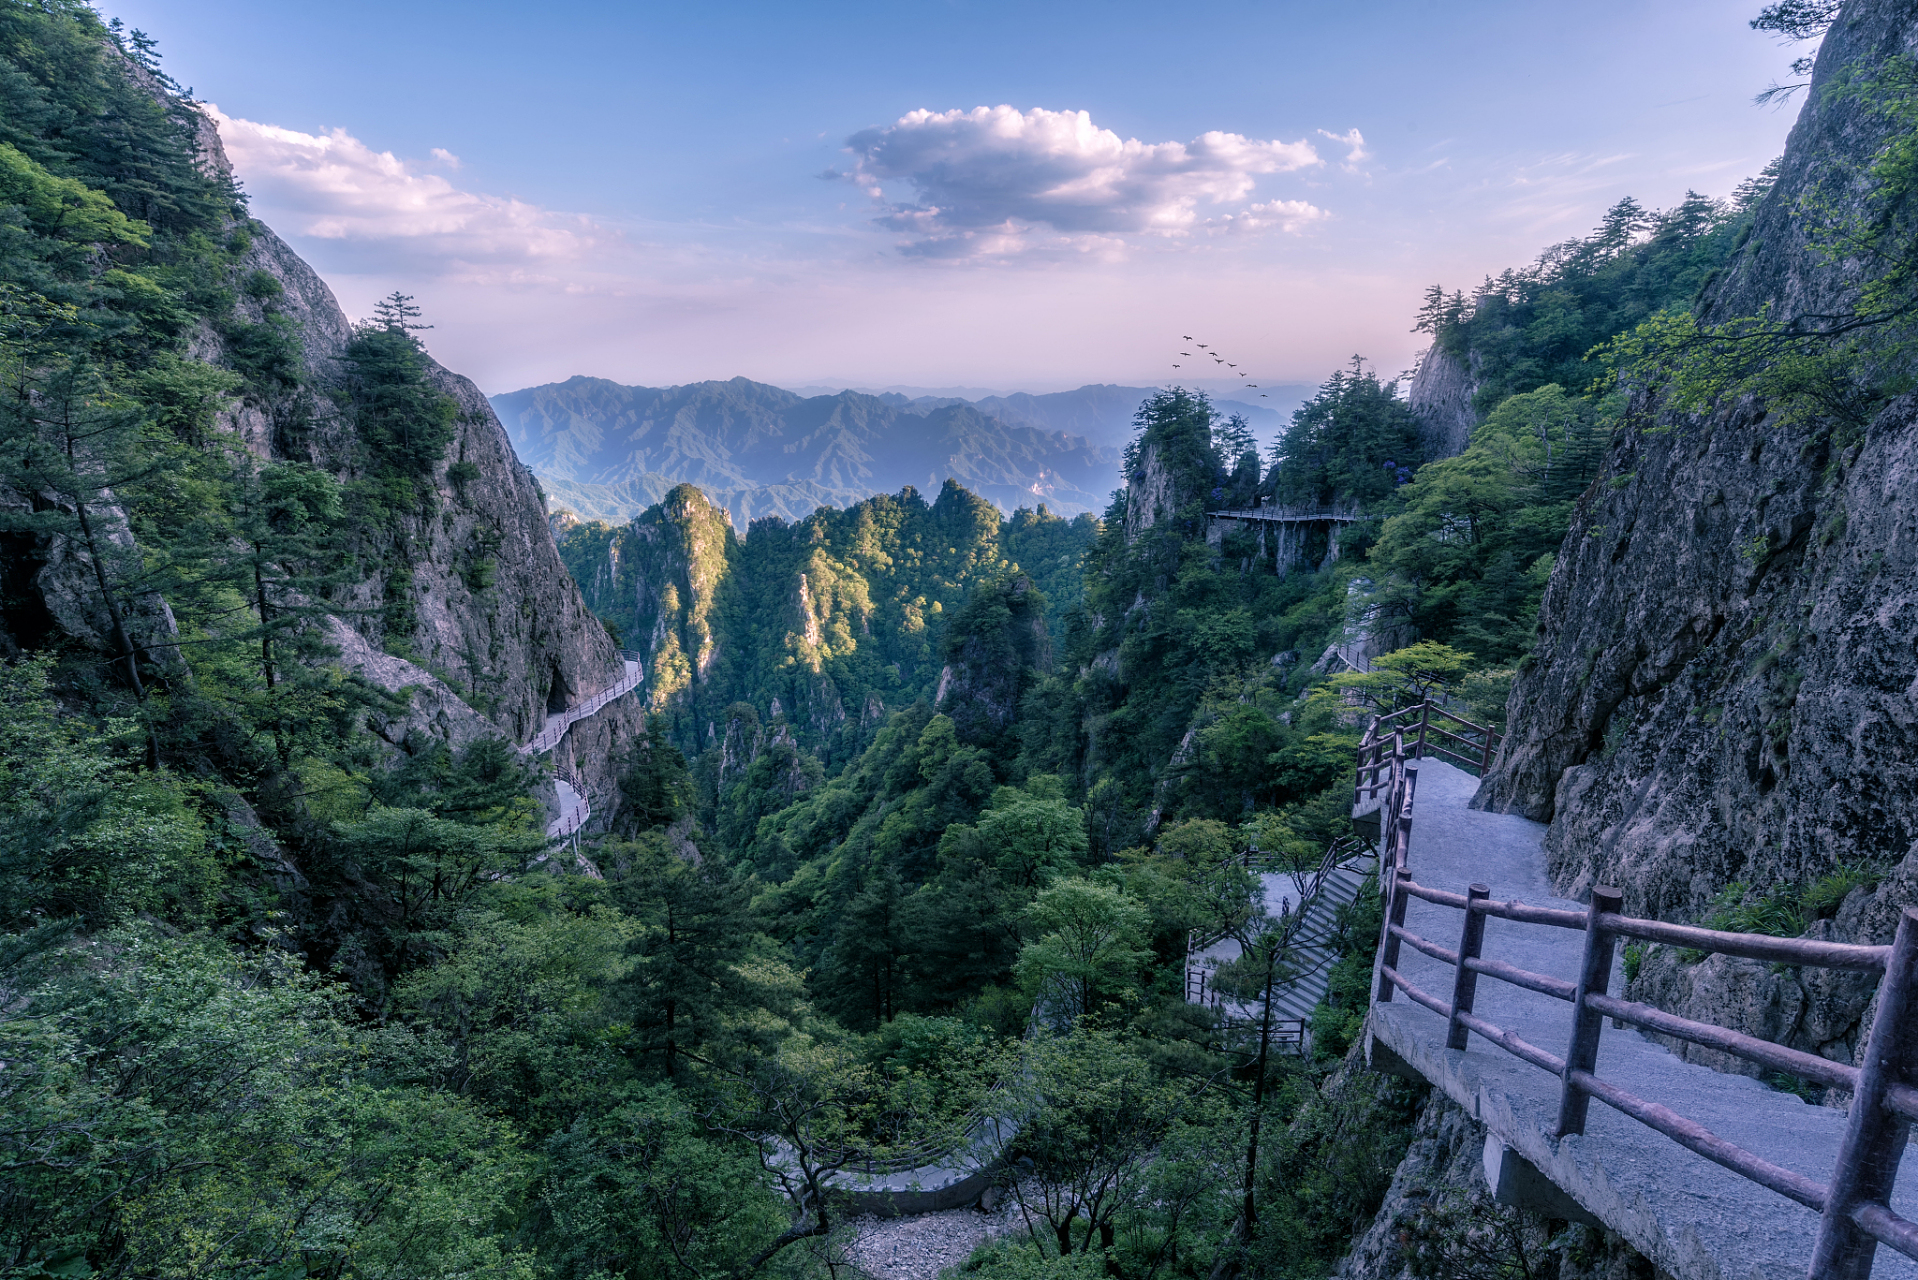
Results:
<point x="922" y="1245"/>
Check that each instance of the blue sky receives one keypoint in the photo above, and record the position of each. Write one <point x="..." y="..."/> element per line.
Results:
<point x="909" y="193"/>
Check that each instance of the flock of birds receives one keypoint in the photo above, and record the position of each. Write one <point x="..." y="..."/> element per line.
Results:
<point x="1206" y="349"/>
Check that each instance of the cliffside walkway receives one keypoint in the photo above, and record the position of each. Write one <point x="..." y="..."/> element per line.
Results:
<point x="1291" y="515"/>
<point x="560" y="721"/>
<point x="1692" y="1217"/>
<point x="574" y="807"/>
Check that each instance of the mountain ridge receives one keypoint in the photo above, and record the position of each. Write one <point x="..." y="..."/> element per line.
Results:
<point x="744" y="437"/>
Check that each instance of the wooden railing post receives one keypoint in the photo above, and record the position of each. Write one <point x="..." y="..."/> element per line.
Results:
<point x="1874" y="1134"/>
<point x="1397" y="833"/>
<point x="1465" y="983"/>
<point x="1594" y="976"/>
<point x="1485" y="760"/>
<point x="1368" y="752"/>
<point x="1425" y="719"/>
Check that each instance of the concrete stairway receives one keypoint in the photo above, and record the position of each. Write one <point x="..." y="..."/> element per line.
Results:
<point x="1315" y="897"/>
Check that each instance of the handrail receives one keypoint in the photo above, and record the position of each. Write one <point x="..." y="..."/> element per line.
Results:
<point x="1854" y="1205"/>
<point x="1416" y="723"/>
<point x="559" y="722"/>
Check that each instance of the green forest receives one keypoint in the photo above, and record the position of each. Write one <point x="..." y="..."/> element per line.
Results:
<point x="929" y="804"/>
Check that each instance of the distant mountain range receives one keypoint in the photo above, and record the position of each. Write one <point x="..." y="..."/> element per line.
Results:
<point x="609" y="451"/>
<point x="1101" y="412"/>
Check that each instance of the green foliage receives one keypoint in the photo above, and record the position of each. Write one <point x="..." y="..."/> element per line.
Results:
<point x="176" y="1109"/>
<point x="402" y="419"/>
<point x="1087" y="947"/>
<point x="1352" y="442"/>
<point x="1536" y="326"/>
<point x="1329" y="1170"/>
<point x="83" y="831"/>
<point x="646" y="1192"/>
<point x="1403" y="678"/>
<point x="691" y="976"/>
<point x="1109" y="1153"/>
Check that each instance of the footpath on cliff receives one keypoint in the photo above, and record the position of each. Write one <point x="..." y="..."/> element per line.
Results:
<point x="1690" y="1217"/>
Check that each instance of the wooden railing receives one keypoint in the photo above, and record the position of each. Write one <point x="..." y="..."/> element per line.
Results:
<point x="1854" y="1204"/>
<point x="1416" y="732"/>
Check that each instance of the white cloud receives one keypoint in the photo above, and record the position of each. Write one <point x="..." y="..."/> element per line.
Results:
<point x="1355" y="141"/>
<point x="996" y="180"/>
<point x="1287" y="215"/>
<point x="334" y="187"/>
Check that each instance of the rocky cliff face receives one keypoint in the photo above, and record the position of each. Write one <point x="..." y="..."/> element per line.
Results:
<point x="497" y="633"/>
<point x="819" y="625"/>
<point x="1439" y="1218"/>
<point x="1441" y="399"/>
<point x="1725" y="686"/>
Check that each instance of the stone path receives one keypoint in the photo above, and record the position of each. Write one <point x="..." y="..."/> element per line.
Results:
<point x="1691" y="1217"/>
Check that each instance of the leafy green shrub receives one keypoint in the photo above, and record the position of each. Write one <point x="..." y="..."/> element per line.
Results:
<point x="1824" y="895"/>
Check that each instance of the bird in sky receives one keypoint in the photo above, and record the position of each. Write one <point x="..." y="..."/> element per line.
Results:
<point x="1188" y="337"/>
<point x="1230" y="365"/>
<point x="1202" y="346"/>
<point x="1176" y="366"/>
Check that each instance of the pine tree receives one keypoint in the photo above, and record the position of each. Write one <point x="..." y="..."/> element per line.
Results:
<point x="695" y="929"/>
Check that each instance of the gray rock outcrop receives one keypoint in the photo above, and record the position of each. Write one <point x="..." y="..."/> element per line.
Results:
<point x="1441" y="401"/>
<point x="499" y="634"/>
<point x="1725" y="684"/>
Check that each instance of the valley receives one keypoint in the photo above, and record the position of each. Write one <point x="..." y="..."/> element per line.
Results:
<point x="607" y="832"/>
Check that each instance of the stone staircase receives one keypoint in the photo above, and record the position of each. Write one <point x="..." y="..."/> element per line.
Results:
<point x="1314" y="897"/>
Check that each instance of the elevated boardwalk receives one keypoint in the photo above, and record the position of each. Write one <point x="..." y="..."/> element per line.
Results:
<point x="1693" y="1218"/>
<point x="574" y="808"/>
<point x="560" y="721"/>
<point x="1289" y="527"/>
<point x="1290" y="515"/>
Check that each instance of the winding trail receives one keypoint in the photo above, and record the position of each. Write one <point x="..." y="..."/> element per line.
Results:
<point x="574" y="807"/>
<point x="1694" y="1219"/>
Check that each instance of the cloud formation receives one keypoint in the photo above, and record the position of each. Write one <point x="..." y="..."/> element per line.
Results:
<point x="335" y="187"/>
<point x="1286" y="215"/>
<point x="1355" y="142"/>
<point x="995" y="181"/>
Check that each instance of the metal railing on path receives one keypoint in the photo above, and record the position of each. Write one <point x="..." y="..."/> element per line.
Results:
<point x="559" y="722"/>
<point x="1854" y="1203"/>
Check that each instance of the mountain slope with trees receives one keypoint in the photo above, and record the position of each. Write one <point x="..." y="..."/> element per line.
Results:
<point x="918" y="813"/>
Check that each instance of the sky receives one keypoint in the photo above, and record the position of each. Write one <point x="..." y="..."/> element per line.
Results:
<point x="994" y="193"/>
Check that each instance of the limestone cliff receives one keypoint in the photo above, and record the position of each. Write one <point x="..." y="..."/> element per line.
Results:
<point x="1441" y="399"/>
<point x="1725" y="684"/>
<point x="819" y="625"/>
<point x="464" y="603"/>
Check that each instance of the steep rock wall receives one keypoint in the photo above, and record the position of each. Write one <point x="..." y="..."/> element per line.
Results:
<point x="501" y="634"/>
<point x="1725" y="685"/>
<point x="1441" y="400"/>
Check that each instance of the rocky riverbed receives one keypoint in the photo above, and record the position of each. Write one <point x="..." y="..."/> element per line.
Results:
<point x="921" y="1246"/>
